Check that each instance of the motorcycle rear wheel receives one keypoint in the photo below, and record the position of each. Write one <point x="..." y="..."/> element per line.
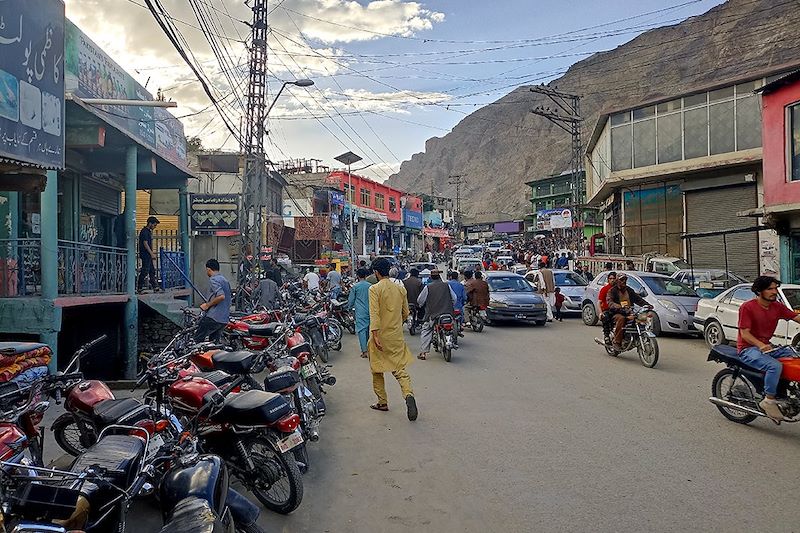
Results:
<point x="323" y="354"/>
<point x="69" y="436"/>
<point x="737" y="390"/>
<point x="282" y="496"/>
<point x="649" y="354"/>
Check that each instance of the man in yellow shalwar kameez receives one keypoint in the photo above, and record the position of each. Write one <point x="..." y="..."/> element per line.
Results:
<point x="388" y="351"/>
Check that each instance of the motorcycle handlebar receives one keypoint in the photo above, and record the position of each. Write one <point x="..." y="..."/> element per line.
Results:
<point x="91" y="344"/>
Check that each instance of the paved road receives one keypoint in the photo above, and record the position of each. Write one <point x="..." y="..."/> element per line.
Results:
<point x="536" y="429"/>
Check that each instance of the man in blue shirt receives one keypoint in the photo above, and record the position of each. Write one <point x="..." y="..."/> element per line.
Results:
<point x="358" y="303"/>
<point x="461" y="298"/>
<point x="218" y="306"/>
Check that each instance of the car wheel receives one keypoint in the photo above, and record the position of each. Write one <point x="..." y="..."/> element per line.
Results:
<point x="540" y="322"/>
<point x="714" y="334"/>
<point x="589" y="314"/>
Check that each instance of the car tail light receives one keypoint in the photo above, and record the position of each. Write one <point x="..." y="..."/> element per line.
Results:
<point x="288" y="423"/>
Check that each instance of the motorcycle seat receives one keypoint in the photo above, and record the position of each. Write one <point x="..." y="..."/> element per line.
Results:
<point x="192" y="515"/>
<point x="338" y="303"/>
<point x="253" y="408"/>
<point x="125" y="411"/>
<point x="271" y="329"/>
<point x="234" y="362"/>
<point x="297" y="349"/>
<point x="730" y="356"/>
<point x="119" y="456"/>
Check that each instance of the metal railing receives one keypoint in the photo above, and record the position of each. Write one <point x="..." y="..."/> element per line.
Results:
<point x="171" y="269"/>
<point x="91" y="269"/>
<point x="82" y="268"/>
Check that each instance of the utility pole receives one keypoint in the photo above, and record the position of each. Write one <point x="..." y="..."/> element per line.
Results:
<point x="254" y="188"/>
<point x="457" y="180"/>
<point x="567" y="116"/>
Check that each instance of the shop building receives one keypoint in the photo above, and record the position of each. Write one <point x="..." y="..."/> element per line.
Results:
<point x="69" y="249"/>
<point x="684" y="164"/>
<point x="552" y="209"/>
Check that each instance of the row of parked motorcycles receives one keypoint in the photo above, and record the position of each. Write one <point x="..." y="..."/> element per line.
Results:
<point x="207" y="416"/>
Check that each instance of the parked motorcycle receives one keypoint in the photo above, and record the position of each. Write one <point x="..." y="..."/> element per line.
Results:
<point x="337" y="310"/>
<point x="444" y="336"/>
<point x="638" y="335"/>
<point x="738" y="389"/>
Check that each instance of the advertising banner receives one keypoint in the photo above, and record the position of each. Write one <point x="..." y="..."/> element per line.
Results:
<point x="412" y="219"/>
<point x="549" y="219"/>
<point x="337" y="198"/>
<point x="506" y="227"/>
<point x="32" y="81"/>
<point x="91" y="73"/>
<point x="214" y="212"/>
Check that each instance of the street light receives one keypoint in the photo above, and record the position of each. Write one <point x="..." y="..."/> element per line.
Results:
<point x="348" y="158"/>
<point x="299" y="83"/>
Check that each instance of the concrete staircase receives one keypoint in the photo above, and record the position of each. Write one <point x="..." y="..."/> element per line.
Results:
<point x="169" y="304"/>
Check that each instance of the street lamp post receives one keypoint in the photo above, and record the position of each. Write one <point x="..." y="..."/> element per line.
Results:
<point x="298" y="83"/>
<point x="348" y="158"/>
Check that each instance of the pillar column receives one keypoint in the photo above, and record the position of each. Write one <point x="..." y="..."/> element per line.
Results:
<point x="184" y="229"/>
<point x="132" y="306"/>
<point x="49" y="261"/>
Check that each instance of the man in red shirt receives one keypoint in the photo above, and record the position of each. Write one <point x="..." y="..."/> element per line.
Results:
<point x="605" y="317"/>
<point x="758" y="319"/>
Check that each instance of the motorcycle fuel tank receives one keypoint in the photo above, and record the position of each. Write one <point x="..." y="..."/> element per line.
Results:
<point x="86" y="394"/>
<point x="206" y="478"/>
<point x="11" y="438"/>
<point x="188" y="392"/>
<point x="791" y="368"/>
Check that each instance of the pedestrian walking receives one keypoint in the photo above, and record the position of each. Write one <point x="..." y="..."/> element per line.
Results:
<point x="269" y="294"/>
<point x="147" y="255"/>
<point x="217" y="308"/>
<point x="558" y="303"/>
<point x="388" y="351"/>
<point x="358" y="304"/>
<point x="546" y="282"/>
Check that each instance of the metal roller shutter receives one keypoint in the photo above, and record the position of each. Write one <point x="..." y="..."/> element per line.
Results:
<point x="715" y="210"/>
<point x="100" y="197"/>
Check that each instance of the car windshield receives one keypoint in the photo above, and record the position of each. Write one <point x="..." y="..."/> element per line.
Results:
<point x="508" y="284"/>
<point x="792" y="298"/>
<point x="668" y="287"/>
<point x="570" y="279"/>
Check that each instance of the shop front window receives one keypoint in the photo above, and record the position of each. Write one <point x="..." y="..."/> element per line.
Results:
<point x="794" y="142"/>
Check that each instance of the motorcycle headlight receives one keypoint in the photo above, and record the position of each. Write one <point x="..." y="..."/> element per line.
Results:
<point x="669" y="306"/>
<point x="496" y="303"/>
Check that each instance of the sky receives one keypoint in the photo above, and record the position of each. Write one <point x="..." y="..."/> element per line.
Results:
<point x="388" y="74"/>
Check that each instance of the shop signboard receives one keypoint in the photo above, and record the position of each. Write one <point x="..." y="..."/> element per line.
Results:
<point x="506" y="227"/>
<point x="412" y="219"/>
<point x="91" y="73"/>
<point x="214" y="212"/>
<point x="337" y="198"/>
<point x="32" y="82"/>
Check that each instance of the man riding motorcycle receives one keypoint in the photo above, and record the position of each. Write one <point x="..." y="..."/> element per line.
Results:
<point x="438" y="299"/>
<point x="605" y="316"/>
<point x="758" y="319"/>
<point x="620" y="300"/>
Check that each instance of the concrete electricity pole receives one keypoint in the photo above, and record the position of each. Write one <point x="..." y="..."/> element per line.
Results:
<point x="457" y="180"/>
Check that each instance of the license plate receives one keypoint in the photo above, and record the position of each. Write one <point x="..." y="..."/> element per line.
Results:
<point x="308" y="370"/>
<point x="156" y="442"/>
<point x="295" y="439"/>
<point x="519" y="316"/>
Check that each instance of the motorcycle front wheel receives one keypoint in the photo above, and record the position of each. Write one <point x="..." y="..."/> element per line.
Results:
<point x="736" y="389"/>
<point x="648" y="351"/>
<point x="276" y="481"/>
<point x="69" y="436"/>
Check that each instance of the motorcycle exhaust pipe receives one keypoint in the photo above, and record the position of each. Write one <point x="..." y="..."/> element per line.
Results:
<point x="731" y="405"/>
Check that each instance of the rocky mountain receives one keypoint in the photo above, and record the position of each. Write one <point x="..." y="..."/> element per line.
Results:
<point x="501" y="146"/>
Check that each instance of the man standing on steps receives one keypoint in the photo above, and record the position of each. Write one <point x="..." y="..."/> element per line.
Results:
<point x="147" y="255"/>
<point x="218" y="307"/>
<point x="388" y="351"/>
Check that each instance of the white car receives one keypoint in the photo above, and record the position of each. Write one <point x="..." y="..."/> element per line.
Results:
<point x="718" y="317"/>
<point x="494" y="246"/>
<point x="505" y="260"/>
<point x="468" y="263"/>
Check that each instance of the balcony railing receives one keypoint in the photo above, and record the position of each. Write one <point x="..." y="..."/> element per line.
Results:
<point x="82" y="268"/>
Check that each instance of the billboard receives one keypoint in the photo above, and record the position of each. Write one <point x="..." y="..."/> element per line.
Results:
<point x="214" y="212"/>
<point x="91" y="73"/>
<point x="550" y="219"/>
<point x="412" y="219"/>
<point x="32" y="82"/>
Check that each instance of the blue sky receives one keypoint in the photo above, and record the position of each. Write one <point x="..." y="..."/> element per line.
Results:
<point x="389" y="73"/>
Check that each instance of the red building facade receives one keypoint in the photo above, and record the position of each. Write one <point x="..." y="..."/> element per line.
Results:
<point x="370" y="194"/>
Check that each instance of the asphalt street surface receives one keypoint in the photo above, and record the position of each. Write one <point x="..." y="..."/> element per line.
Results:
<point x="536" y="429"/>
